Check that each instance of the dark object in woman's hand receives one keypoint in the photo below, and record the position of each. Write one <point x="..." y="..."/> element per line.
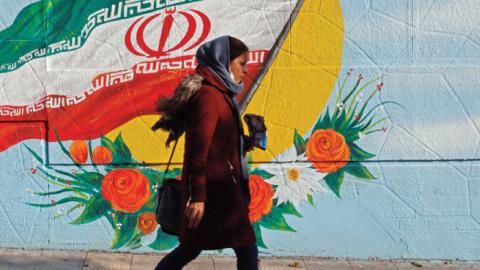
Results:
<point x="257" y="130"/>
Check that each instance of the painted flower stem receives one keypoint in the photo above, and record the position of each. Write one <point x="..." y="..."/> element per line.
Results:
<point x="374" y="124"/>
<point x="90" y="153"/>
<point x="73" y="208"/>
<point x="359" y="91"/>
<point x="67" y="153"/>
<point x="342" y="86"/>
<point x="61" y="201"/>
<point x="64" y="190"/>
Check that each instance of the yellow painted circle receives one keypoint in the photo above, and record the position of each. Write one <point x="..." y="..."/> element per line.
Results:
<point x="292" y="95"/>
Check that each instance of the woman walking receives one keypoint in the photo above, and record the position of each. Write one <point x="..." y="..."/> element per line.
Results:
<point x="214" y="187"/>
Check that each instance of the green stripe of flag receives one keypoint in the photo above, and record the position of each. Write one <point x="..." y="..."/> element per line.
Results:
<point x="42" y="28"/>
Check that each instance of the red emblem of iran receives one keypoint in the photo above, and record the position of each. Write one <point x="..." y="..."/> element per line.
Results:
<point x="184" y="36"/>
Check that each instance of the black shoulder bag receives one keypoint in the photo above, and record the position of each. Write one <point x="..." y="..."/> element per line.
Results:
<point x="167" y="212"/>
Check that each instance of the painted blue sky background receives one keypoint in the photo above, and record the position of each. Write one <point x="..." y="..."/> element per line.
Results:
<point x="10" y="10"/>
<point x="424" y="203"/>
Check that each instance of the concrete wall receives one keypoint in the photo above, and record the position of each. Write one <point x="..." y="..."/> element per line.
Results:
<point x="331" y="183"/>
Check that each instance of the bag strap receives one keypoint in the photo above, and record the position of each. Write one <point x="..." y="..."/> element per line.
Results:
<point x="171" y="156"/>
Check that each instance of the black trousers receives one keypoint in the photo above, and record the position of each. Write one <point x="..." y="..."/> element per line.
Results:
<point x="247" y="258"/>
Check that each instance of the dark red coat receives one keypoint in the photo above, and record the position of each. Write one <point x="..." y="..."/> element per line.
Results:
<point x="211" y="141"/>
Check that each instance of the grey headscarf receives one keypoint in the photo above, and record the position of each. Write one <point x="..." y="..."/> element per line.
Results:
<point x="215" y="55"/>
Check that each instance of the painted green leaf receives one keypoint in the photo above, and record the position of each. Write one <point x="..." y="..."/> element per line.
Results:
<point x="124" y="228"/>
<point x="288" y="209"/>
<point x="327" y="121"/>
<point x="120" y="152"/>
<point x="337" y="123"/>
<point x="123" y="154"/>
<point x="90" y="153"/>
<point x="323" y="122"/>
<point x="334" y="181"/>
<point x="351" y="138"/>
<point x="63" y="182"/>
<point x="136" y="240"/>
<point x="64" y="149"/>
<point x="367" y="123"/>
<point x="357" y="154"/>
<point x="109" y="219"/>
<point x="299" y="142"/>
<point x="93" y="210"/>
<point x="349" y="122"/>
<point x="358" y="170"/>
<point x="106" y="142"/>
<point x="258" y="235"/>
<point x="91" y="178"/>
<point x="276" y="221"/>
<point x="163" y="241"/>
<point x="354" y="131"/>
<point x="262" y="173"/>
<point x="274" y="200"/>
<point x="152" y="175"/>
<point x="310" y="200"/>
<point x="40" y="160"/>
<point x="35" y="155"/>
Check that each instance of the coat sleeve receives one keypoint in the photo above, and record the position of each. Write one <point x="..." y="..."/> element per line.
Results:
<point x="203" y="118"/>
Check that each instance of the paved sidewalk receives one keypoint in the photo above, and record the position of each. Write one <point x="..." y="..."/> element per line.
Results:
<point x="11" y="259"/>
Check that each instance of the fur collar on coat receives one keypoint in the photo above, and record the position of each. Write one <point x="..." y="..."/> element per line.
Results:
<point x="172" y="118"/>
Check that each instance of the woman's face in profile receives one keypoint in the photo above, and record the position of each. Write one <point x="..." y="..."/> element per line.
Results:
<point x="238" y="67"/>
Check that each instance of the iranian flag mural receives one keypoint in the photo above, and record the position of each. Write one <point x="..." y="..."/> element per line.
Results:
<point x="87" y="67"/>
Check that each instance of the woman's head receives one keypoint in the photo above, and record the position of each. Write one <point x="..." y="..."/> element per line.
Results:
<point x="227" y="57"/>
<point x="238" y="59"/>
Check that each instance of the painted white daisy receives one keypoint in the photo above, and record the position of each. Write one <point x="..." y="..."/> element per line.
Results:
<point x="296" y="180"/>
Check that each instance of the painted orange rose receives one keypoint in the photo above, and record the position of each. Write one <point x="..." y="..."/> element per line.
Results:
<point x="261" y="201"/>
<point x="79" y="151"/>
<point x="147" y="222"/>
<point x="126" y="189"/>
<point x="102" y="155"/>
<point x="327" y="145"/>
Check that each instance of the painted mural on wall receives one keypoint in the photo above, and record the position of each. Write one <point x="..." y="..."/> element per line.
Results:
<point x="151" y="71"/>
<point x="125" y="195"/>
<point x="109" y="179"/>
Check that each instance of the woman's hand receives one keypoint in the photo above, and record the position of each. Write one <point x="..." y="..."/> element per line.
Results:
<point x="247" y="140"/>
<point x="194" y="213"/>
